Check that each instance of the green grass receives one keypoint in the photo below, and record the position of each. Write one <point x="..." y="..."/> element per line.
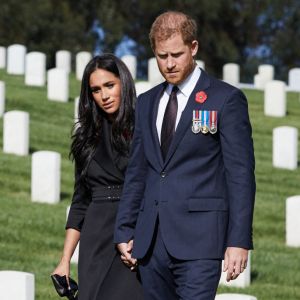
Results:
<point x="32" y="234"/>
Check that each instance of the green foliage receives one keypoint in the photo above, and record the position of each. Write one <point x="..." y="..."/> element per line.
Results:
<point x="32" y="234"/>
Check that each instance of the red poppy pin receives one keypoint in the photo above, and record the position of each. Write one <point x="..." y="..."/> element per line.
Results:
<point x="201" y="97"/>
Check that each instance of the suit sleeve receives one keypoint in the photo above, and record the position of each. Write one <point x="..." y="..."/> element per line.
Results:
<point x="238" y="156"/>
<point x="80" y="202"/>
<point x="133" y="190"/>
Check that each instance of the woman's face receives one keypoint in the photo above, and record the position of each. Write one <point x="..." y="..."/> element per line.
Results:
<point x="106" y="90"/>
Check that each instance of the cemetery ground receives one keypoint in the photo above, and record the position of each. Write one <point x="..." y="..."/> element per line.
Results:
<point x="32" y="234"/>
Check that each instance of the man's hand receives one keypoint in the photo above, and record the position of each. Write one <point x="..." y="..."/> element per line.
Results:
<point x="126" y="250"/>
<point x="235" y="262"/>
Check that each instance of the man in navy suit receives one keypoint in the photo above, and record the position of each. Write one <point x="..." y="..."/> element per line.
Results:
<point x="189" y="191"/>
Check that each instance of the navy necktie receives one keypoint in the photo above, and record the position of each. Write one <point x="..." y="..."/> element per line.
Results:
<point x="168" y="125"/>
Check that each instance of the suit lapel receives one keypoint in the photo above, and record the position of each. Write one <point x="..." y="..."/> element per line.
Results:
<point x="153" y="113"/>
<point x="185" y="121"/>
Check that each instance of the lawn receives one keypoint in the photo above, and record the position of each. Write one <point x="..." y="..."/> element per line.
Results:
<point x="32" y="234"/>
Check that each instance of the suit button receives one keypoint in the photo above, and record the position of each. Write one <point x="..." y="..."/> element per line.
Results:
<point x="163" y="174"/>
<point x="155" y="202"/>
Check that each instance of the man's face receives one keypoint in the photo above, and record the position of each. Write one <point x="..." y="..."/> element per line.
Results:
<point x="175" y="59"/>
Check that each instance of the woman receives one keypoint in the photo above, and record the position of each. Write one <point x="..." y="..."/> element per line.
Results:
<point x="100" y="149"/>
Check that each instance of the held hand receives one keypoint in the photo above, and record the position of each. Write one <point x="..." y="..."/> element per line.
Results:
<point x="63" y="268"/>
<point x="235" y="262"/>
<point x="126" y="250"/>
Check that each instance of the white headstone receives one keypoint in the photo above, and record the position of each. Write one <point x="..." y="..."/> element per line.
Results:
<point x="76" y="109"/>
<point x="258" y="82"/>
<point x="201" y="64"/>
<point x="82" y="59"/>
<point x="16" y="285"/>
<point x="58" y="85"/>
<point x="231" y="74"/>
<point x="243" y="280"/>
<point x="293" y="221"/>
<point x="154" y="76"/>
<point x="131" y="63"/>
<point x="285" y="147"/>
<point x="63" y="60"/>
<point x="235" y="297"/>
<point x="2" y="57"/>
<point x="16" y="132"/>
<point x="35" y="69"/>
<point x="275" y="99"/>
<point x="16" y="59"/>
<point x="142" y="87"/>
<point x="75" y="256"/>
<point x="2" y="98"/>
<point x="266" y="74"/>
<point x="294" y="79"/>
<point x="45" y="177"/>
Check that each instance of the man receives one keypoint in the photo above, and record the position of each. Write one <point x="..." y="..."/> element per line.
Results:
<point x="189" y="191"/>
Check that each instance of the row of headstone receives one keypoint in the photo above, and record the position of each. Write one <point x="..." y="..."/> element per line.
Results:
<point x="15" y="285"/>
<point x="231" y="296"/>
<point x="33" y="64"/>
<point x="243" y="280"/>
<point x="285" y="147"/>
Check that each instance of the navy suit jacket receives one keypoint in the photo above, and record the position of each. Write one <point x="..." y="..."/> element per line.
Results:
<point x="204" y="191"/>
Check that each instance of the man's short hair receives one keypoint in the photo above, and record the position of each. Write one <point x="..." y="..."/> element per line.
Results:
<point x="170" y="23"/>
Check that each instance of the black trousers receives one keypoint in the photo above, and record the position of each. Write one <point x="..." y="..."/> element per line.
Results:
<point x="167" y="278"/>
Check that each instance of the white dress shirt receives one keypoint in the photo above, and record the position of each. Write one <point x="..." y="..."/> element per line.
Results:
<point x="183" y="94"/>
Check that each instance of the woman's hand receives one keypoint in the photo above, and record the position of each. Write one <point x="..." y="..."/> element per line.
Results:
<point x="63" y="268"/>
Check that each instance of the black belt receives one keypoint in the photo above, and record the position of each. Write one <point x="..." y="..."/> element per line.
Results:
<point x="110" y="193"/>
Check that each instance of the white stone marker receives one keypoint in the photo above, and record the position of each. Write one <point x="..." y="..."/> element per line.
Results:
<point x="131" y="63"/>
<point x="35" y="69"/>
<point x="292" y="221"/>
<point x="285" y="147"/>
<point x="82" y="59"/>
<point x="258" y="82"/>
<point x="58" y="85"/>
<point x="242" y="281"/>
<point x="235" y="297"/>
<point x="231" y="74"/>
<point x="294" y="79"/>
<point x="266" y="74"/>
<point x="16" y="59"/>
<point x="2" y="57"/>
<point x="15" y="285"/>
<point x="142" y="87"/>
<point x="45" y="177"/>
<point x="16" y="132"/>
<point x="275" y="99"/>
<point x="76" y="109"/>
<point x="201" y="64"/>
<point x="63" y="60"/>
<point x="154" y="76"/>
<point x="2" y="98"/>
<point x="75" y="256"/>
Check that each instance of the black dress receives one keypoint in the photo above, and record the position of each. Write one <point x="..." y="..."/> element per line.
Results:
<point x="101" y="273"/>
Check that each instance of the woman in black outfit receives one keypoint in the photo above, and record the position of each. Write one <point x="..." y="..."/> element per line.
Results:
<point x="100" y="149"/>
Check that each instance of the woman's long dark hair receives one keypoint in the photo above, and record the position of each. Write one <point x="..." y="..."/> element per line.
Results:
<point x="88" y="128"/>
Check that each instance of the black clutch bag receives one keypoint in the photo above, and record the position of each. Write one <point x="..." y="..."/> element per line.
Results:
<point x="63" y="289"/>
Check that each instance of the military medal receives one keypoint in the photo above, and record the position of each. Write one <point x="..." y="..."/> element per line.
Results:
<point x="205" y="117"/>
<point x="197" y="121"/>
<point x="213" y="121"/>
